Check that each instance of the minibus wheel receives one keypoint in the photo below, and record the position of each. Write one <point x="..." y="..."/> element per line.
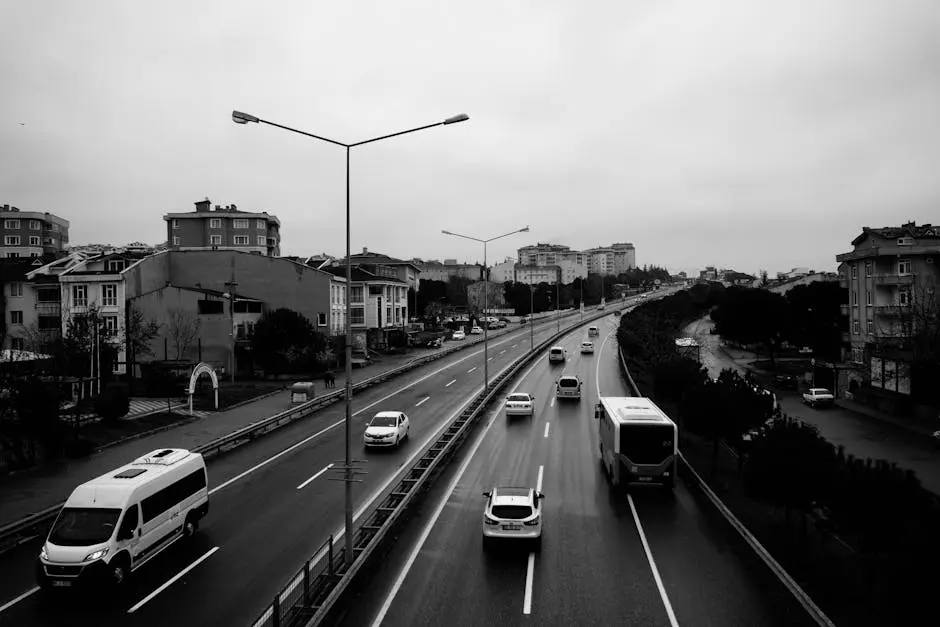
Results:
<point x="190" y="527"/>
<point x="120" y="570"/>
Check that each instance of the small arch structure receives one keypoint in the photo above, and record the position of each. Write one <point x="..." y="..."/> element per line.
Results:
<point x="201" y="369"/>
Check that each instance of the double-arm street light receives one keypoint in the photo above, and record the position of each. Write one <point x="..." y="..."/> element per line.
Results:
<point x="244" y="118"/>
<point x="486" y="293"/>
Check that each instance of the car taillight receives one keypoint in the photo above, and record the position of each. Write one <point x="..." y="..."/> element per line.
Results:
<point x="489" y="520"/>
<point x="531" y="523"/>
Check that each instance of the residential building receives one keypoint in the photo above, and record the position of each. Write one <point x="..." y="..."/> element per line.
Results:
<point x="225" y="292"/>
<point x="32" y="233"/>
<point x="224" y="228"/>
<point x="545" y="254"/>
<point x="434" y="270"/>
<point x="784" y="286"/>
<point x="379" y="307"/>
<point x="571" y="270"/>
<point x="504" y="271"/>
<point x="889" y="272"/>
<point x="533" y="275"/>
<point x="378" y="264"/>
<point x="337" y="305"/>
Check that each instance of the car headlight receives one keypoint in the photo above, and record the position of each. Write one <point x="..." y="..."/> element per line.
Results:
<point x="97" y="555"/>
<point x="43" y="554"/>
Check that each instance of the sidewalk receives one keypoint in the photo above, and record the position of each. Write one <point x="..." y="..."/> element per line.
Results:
<point x="32" y="491"/>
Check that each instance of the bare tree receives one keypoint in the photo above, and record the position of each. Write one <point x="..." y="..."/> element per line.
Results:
<point x="182" y="329"/>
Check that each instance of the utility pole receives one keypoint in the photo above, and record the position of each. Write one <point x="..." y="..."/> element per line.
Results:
<point x="232" y="285"/>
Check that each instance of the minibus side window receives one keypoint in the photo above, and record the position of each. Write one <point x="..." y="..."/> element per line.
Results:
<point x="129" y="524"/>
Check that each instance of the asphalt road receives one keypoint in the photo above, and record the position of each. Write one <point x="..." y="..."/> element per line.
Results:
<point x="651" y="557"/>
<point x="261" y="527"/>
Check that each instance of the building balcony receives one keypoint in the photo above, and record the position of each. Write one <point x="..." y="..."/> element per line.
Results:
<point x="49" y="308"/>
<point x="892" y="311"/>
<point x="893" y="251"/>
<point x="893" y="279"/>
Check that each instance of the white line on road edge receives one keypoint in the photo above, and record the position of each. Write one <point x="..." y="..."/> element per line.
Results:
<point x="551" y="403"/>
<point x="423" y="400"/>
<point x="10" y="604"/>
<point x="547" y="425"/>
<point x="173" y="580"/>
<point x="471" y="370"/>
<point x="804" y="599"/>
<point x="490" y="359"/>
<point x="529" y="576"/>
<point x="649" y="558"/>
<point x="538" y="483"/>
<point x="440" y="508"/>
<point x="514" y="345"/>
<point x="304" y="484"/>
<point x="597" y="365"/>
<point x="451" y="383"/>
<point x="502" y="351"/>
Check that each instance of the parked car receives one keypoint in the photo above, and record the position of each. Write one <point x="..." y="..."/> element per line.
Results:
<point x="387" y="428"/>
<point x="819" y="397"/>
<point x="475" y="330"/>
<point x="786" y="381"/>
<point x="512" y="513"/>
<point x="520" y="404"/>
<point x="458" y="335"/>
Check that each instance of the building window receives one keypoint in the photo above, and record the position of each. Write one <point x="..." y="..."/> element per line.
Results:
<point x="12" y="240"/>
<point x="871" y="326"/>
<point x="34" y="254"/>
<point x="215" y="223"/>
<point x="110" y="325"/>
<point x="857" y="355"/>
<point x="321" y="319"/>
<point x="241" y="240"/>
<point x="854" y="271"/>
<point x="34" y="240"/>
<point x="47" y="241"/>
<point x="12" y="255"/>
<point x="16" y="317"/>
<point x="868" y="269"/>
<point x="904" y="297"/>
<point x="261" y="224"/>
<point x="17" y="343"/>
<point x="856" y="327"/>
<point x="904" y="267"/>
<point x="240" y="224"/>
<point x="116" y="265"/>
<point x="358" y="315"/>
<point x="176" y="224"/>
<point x="215" y="240"/>
<point x="356" y="294"/>
<point x="109" y="295"/>
<point x="34" y="225"/>
<point x="262" y="240"/>
<point x="868" y="299"/>
<point x="855" y="299"/>
<point x="209" y="307"/>
<point x="11" y="224"/>
<point x="16" y="289"/>
<point x="176" y="240"/>
<point x="905" y="241"/>
<point x="80" y="295"/>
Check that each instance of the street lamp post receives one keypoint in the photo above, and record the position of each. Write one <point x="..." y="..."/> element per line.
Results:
<point x="486" y="293"/>
<point x="244" y="118"/>
<point x="531" y="316"/>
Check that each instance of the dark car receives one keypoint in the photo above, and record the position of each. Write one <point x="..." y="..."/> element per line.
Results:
<point x="785" y="381"/>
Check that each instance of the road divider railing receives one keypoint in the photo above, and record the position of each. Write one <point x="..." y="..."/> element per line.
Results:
<point x="17" y="532"/>
<point x="696" y="481"/>
<point x="321" y="591"/>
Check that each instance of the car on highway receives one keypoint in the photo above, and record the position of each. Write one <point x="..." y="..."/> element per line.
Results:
<point x="587" y="347"/>
<point x="524" y="320"/>
<point x="568" y="386"/>
<point x="819" y="397"/>
<point x="593" y="331"/>
<point x="513" y="513"/>
<point x="520" y="404"/>
<point x="458" y="335"/>
<point x="475" y="330"/>
<point x="557" y="354"/>
<point x="387" y="428"/>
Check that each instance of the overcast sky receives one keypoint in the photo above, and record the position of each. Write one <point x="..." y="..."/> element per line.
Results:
<point x="739" y="133"/>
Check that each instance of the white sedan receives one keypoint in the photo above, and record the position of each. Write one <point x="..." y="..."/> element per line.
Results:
<point x="458" y="335"/>
<point x="512" y="513"/>
<point x="587" y="347"/>
<point x="520" y="404"/>
<point x="387" y="428"/>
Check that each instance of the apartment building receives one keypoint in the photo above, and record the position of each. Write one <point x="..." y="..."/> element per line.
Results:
<point x="533" y="275"/>
<point x="224" y="228"/>
<point x="378" y="305"/>
<point x="890" y="272"/>
<point x="504" y="271"/>
<point x="434" y="270"/>
<point x="32" y="233"/>
<point x="545" y="254"/>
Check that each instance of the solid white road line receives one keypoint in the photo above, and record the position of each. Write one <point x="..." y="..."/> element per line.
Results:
<point x="471" y="370"/>
<point x="489" y="359"/>
<point x="538" y="483"/>
<point x="529" y="576"/>
<point x="597" y="364"/>
<point x="440" y="508"/>
<point x="173" y="580"/>
<point x="547" y="425"/>
<point x="451" y="383"/>
<point x="423" y="400"/>
<point x="501" y="352"/>
<point x="551" y="403"/>
<point x="514" y="345"/>
<point x="304" y="484"/>
<point x="10" y="604"/>
<point x="649" y="558"/>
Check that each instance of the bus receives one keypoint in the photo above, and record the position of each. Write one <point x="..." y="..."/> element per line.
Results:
<point x="638" y="441"/>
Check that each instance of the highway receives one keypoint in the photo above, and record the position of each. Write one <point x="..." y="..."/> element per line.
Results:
<point x="608" y="557"/>
<point x="272" y="506"/>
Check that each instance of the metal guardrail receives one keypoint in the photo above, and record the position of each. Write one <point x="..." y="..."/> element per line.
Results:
<point x="14" y="533"/>
<point x="318" y="598"/>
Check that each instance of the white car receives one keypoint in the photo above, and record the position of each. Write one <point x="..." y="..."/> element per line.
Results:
<point x="512" y="513"/>
<point x="587" y="347"/>
<point x="819" y="397"/>
<point x="458" y="335"/>
<point x="476" y="330"/>
<point x="568" y="386"/>
<point x="592" y="331"/>
<point x="520" y="404"/>
<point x="557" y="353"/>
<point x="387" y="428"/>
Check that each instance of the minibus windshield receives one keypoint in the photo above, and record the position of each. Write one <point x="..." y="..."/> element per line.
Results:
<point x="84" y="526"/>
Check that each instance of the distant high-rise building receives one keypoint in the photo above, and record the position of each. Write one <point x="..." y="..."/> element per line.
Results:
<point x="224" y="228"/>
<point x="32" y="233"/>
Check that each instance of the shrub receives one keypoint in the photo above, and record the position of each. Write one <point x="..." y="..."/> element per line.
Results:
<point x="113" y="402"/>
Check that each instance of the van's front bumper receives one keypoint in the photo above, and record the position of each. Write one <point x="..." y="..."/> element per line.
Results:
<point x="57" y="575"/>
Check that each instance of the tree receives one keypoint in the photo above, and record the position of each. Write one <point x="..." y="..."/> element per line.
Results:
<point x="817" y="319"/>
<point x="182" y="329"/>
<point x="753" y="316"/>
<point x="87" y="348"/>
<point x="285" y="342"/>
